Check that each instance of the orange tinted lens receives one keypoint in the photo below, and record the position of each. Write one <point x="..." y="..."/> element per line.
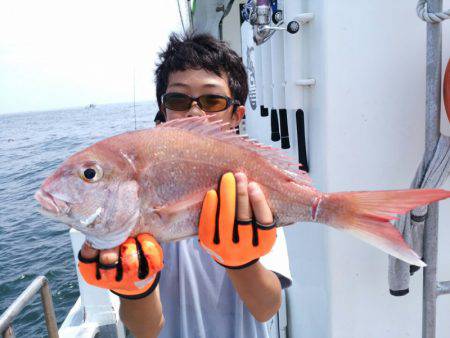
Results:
<point x="177" y="101"/>
<point x="212" y="103"/>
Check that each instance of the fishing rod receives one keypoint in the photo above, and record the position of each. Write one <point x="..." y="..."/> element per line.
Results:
<point x="134" y="98"/>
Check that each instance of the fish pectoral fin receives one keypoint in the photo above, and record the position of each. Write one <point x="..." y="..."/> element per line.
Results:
<point x="172" y="212"/>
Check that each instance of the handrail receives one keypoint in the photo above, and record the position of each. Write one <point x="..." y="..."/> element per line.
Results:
<point x="39" y="284"/>
<point x="432" y="133"/>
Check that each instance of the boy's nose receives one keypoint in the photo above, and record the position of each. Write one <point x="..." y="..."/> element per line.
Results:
<point x="195" y="110"/>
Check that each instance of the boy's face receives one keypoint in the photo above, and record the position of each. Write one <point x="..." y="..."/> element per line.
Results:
<point x="198" y="82"/>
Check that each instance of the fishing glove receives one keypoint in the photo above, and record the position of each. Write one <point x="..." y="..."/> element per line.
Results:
<point x="234" y="244"/>
<point x="134" y="276"/>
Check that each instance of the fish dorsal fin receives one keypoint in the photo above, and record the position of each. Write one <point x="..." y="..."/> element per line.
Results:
<point x="220" y="130"/>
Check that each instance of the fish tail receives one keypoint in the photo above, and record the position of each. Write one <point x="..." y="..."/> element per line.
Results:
<point x="367" y="215"/>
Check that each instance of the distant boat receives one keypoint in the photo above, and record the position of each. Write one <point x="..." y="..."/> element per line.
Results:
<point x="90" y="106"/>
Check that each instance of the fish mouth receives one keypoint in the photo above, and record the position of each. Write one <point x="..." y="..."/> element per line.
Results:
<point x="50" y="203"/>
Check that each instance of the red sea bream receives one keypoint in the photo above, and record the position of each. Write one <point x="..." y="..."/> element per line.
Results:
<point x="154" y="181"/>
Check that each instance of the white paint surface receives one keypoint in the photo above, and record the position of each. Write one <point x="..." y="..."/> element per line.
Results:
<point x="366" y="122"/>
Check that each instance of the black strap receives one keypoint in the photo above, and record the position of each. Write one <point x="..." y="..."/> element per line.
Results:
<point x="255" y="238"/>
<point x="107" y="266"/>
<point x="236" y="231"/>
<point x="255" y="226"/>
<point x="145" y="293"/>
<point x="244" y="222"/>
<point x="86" y="260"/>
<point x="143" y="265"/>
<point x="216" y="239"/>
<point x="239" y="266"/>
<point x="266" y="227"/>
<point x="119" y="271"/>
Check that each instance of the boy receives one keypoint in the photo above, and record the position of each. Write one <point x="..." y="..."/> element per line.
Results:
<point x="233" y="294"/>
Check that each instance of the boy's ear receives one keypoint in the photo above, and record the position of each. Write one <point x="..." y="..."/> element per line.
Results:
<point x="238" y="115"/>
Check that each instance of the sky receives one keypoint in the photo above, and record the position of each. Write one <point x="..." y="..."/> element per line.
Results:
<point x="60" y="54"/>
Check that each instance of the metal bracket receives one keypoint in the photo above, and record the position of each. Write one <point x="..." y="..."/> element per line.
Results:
<point x="305" y="82"/>
<point x="443" y="288"/>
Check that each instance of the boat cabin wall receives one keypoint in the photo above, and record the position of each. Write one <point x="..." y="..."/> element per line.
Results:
<point x="365" y="127"/>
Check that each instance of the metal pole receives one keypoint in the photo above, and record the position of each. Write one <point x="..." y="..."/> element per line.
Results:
<point x="39" y="283"/>
<point x="443" y="288"/>
<point x="9" y="333"/>
<point x="432" y="133"/>
<point x="49" y="311"/>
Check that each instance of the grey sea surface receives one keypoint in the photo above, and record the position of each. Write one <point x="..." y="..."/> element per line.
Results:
<point x="32" y="146"/>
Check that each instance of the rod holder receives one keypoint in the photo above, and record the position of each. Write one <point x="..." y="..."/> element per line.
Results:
<point x="275" y="135"/>
<point x="264" y="111"/>
<point x="301" y="139"/>
<point x="284" y="130"/>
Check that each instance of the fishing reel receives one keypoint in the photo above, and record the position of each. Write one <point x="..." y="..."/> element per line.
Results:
<point x="260" y="14"/>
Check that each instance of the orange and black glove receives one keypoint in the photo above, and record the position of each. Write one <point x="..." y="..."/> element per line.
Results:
<point x="134" y="276"/>
<point x="233" y="243"/>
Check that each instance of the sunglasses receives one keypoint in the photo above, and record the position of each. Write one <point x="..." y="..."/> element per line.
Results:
<point x="210" y="103"/>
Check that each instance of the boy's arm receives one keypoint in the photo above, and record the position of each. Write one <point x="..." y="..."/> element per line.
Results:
<point x="259" y="289"/>
<point x="143" y="317"/>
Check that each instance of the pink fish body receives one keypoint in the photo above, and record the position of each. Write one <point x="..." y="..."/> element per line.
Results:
<point x="155" y="180"/>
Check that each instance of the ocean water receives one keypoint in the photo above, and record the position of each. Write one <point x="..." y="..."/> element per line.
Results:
<point x="32" y="145"/>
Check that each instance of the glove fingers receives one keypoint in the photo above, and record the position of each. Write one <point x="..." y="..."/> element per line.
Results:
<point x="227" y="207"/>
<point x="129" y="259"/>
<point x="267" y="238"/>
<point x="151" y="254"/>
<point x="207" y="223"/>
<point x="251" y="247"/>
<point x="236" y="244"/>
<point x="88" y="268"/>
<point x="264" y="240"/>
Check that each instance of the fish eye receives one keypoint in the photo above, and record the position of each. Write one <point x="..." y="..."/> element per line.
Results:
<point x="91" y="173"/>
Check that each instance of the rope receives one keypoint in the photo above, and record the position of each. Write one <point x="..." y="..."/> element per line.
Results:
<point x="422" y="12"/>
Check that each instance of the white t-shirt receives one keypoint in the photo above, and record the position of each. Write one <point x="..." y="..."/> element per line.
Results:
<point x="198" y="298"/>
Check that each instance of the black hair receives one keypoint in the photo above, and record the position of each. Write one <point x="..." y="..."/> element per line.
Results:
<point x="201" y="51"/>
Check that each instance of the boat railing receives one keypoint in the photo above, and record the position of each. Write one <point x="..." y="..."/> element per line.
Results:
<point x="39" y="284"/>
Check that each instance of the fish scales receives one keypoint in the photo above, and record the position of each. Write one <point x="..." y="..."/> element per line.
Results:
<point x="194" y="166"/>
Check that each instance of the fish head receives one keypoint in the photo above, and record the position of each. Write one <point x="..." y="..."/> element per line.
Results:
<point x="95" y="192"/>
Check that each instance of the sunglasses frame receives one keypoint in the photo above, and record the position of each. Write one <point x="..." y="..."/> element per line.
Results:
<point x="229" y="100"/>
